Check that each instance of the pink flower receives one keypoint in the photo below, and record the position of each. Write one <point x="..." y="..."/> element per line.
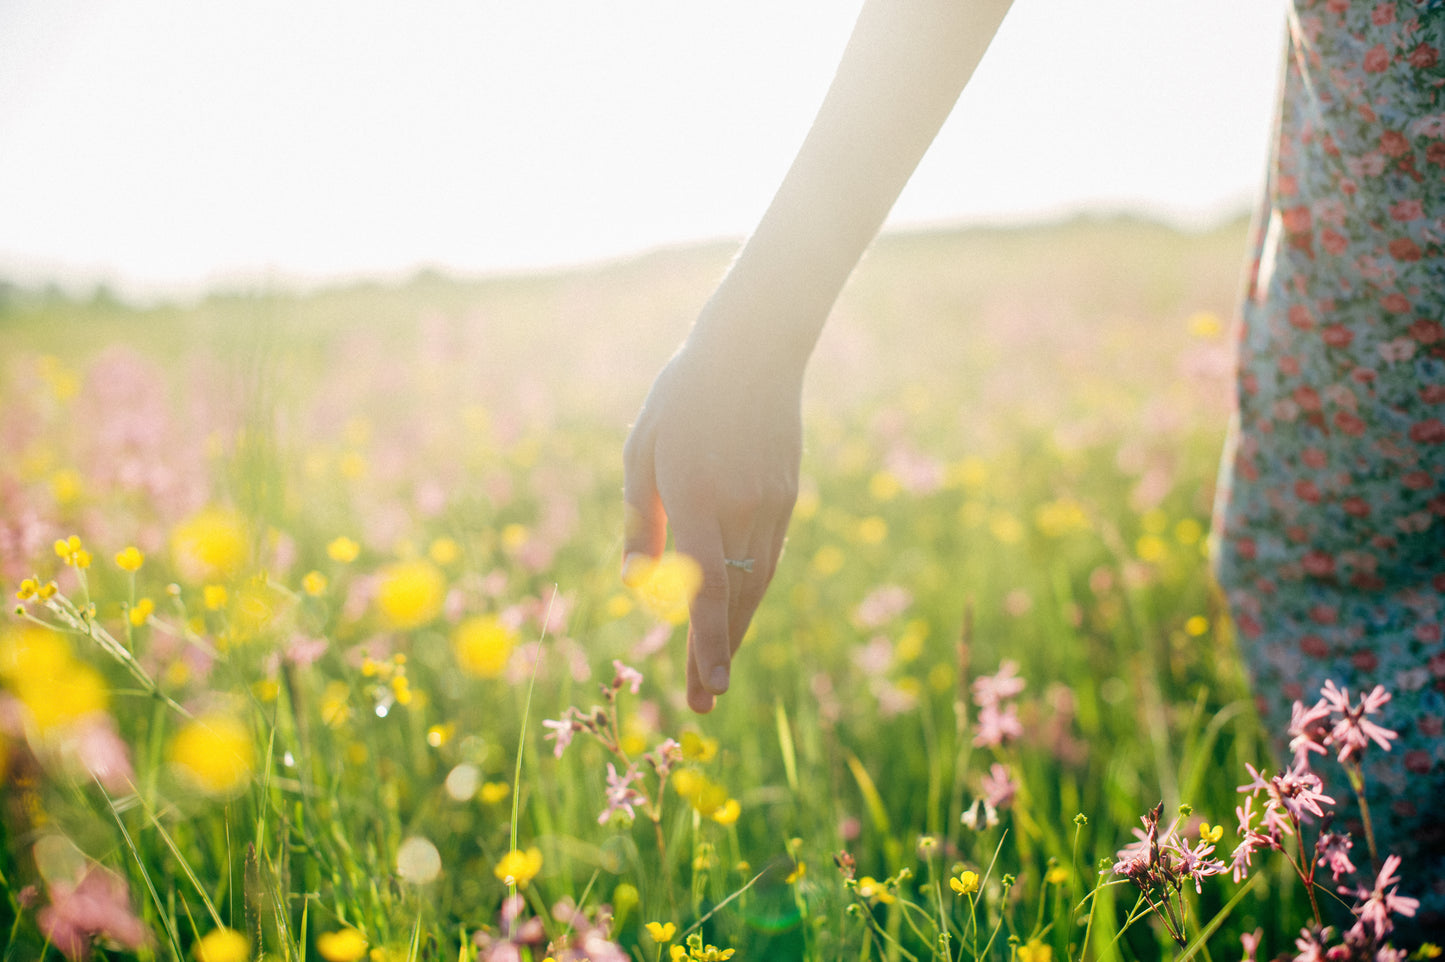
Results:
<point x="998" y="786"/>
<point x="621" y="796"/>
<point x="992" y="689"/>
<point x="626" y="676"/>
<point x="1333" y="849"/>
<point x="97" y="906"/>
<point x="562" y="731"/>
<point x="1379" y="905"/>
<point x="996" y="726"/>
<point x="1309" y="730"/>
<point x="881" y="606"/>
<point x="1353" y="731"/>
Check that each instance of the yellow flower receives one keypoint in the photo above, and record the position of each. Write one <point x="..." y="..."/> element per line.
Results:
<point x="1196" y="625"/>
<point x="223" y="945"/>
<point x="444" y="551"/>
<point x="66" y="485"/>
<point x="799" y="870"/>
<point x="874" y="891"/>
<point x="514" y="536"/>
<point x="677" y="954"/>
<point x="1057" y="875"/>
<point x="213" y="543"/>
<point x="1205" y="325"/>
<point x="314" y="584"/>
<point x="702" y="794"/>
<point x="665" y="586"/>
<point x="493" y="792"/>
<point x="343" y="945"/>
<point x="410" y="593"/>
<point x="698" y="748"/>
<point x="661" y="931"/>
<point x="728" y="813"/>
<point x="141" y="611"/>
<point x="55" y="689"/>
<point x="1035" y="951"/>
<point x="343" y="550"/>
<point x="829" y="560"/>
<point x="215" y="597"/>
<point x="71" y="552"/>
<point x="964" y="883"/>
<point x="871" y="530"/>
<point x="518" y="868"/>
<point x="1210" y="834"/>
<point x="129" y="559"/>
<point x="215" y="752"/>
<point x="483" y="645"/>
<point x="28" y="589"/>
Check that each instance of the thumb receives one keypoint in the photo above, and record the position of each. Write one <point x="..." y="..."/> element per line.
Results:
<point x="644" y="522"/>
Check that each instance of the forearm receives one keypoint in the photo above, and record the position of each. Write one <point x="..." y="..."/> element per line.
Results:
<point x="899" y="77"/>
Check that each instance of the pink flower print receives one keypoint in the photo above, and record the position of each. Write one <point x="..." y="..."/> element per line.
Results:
<point x="1427" y="332"/>
<point x="1383" y="15"/>
<point x="1411" y="209"/>
<point x="1405" y="249"/>
<point x="1377" y="59"/>
<point x="1431" y="431"/>
<point x="1399" y="349"/>
<point x="1423" y="57"/>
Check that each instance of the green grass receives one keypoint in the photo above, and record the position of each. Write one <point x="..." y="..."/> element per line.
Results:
<point x="1019" y="428"/>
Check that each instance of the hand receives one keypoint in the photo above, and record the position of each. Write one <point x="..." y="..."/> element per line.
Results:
<point x="715" y="453"/>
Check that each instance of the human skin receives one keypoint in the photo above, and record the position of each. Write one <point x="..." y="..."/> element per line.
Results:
<point x="715" y="450"/>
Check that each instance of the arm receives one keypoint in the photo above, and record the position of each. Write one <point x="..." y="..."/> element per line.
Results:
<point x="715" y="450"/>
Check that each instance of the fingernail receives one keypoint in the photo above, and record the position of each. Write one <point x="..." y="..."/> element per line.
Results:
<point x="717" y="682"/>
<point x="632" y="568"/>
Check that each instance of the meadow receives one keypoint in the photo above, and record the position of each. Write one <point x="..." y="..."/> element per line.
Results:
<point x="344" y="584"/>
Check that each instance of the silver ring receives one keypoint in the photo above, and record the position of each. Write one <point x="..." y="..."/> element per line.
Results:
<point x="746" y="564"/>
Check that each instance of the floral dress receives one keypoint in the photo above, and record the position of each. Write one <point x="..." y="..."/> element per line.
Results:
<point x="1331" y="533"/>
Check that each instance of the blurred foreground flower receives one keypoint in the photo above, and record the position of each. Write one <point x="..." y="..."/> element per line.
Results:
<point x="483" y="646"/>
<point x="96" y="906"/>
<point x="223" y="945"/>
<point x="410" y="593"/>
<point x="664" y="586"/>
<point x="343" y="945"/>
<point x="211" y="544"/>
<point x="214" y="752"/>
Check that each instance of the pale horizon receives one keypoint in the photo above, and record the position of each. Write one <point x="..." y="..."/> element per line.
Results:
<point x="163" y="149"/>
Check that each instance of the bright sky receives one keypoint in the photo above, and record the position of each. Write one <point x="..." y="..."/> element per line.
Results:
<point x="164" y="144"/>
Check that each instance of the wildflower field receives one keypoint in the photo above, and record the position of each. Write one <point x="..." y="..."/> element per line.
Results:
<point x="317" y="646"/>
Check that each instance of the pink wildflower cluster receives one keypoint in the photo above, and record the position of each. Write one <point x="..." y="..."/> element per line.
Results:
<point x="1295" y="798"/>
<point x="586" y="936"/>
<point x="625" y="790"/>
<point x="1160" y="864"/>
<point x="998" y="719"/>
<point x="95" y="907"/>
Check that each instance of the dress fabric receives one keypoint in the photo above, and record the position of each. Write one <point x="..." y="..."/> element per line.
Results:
<point x="1331" y="533"/>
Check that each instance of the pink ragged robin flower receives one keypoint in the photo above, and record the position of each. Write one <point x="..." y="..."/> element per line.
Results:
<point x="1353" y="731"/>
<point x="625" y="675"/>
<point x="1378" y="905"/>
<point x="621" y="796"/>
<point x="1333" y="851"/>
<point x="993" y="689"/>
